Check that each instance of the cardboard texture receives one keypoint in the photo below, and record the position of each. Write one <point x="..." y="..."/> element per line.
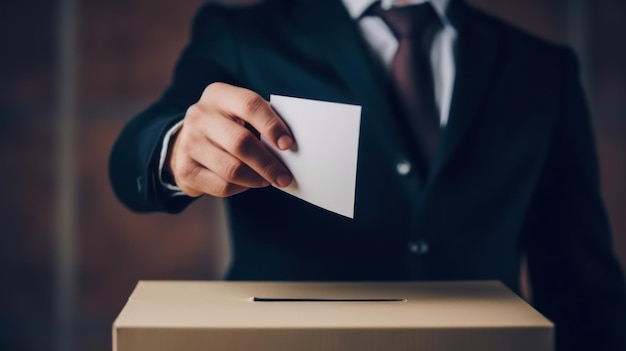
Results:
<point x="427" y="316"/>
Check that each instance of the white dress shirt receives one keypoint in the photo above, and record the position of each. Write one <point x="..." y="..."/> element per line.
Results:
<point x="384" y="45"/>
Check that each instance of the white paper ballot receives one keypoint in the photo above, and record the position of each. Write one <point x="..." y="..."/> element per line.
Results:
<point x="324" y="161"/>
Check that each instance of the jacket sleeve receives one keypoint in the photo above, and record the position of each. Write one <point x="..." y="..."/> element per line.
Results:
<point x="133" y="165"/>
<point x="576" y="279"/>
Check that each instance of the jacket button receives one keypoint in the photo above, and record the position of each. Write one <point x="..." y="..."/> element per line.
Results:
<point x="403" y="167"/>
<point x="418" y="247"/>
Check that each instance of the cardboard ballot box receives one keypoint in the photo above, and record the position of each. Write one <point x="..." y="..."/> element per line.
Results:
<point x="238" y="316"/>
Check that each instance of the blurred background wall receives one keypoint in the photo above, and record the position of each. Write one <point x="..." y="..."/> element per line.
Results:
<point x="73" y="72"/>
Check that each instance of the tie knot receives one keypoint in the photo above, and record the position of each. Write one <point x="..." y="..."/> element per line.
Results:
<point x="412" y="21"/>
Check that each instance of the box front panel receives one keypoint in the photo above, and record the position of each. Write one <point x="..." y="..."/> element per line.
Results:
<point x="482" y="339"/>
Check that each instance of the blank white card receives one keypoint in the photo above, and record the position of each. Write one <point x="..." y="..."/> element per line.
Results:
<point x="324" y="161"/>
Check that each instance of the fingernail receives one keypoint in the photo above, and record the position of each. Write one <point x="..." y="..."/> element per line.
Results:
<point x="283" y="180"/>
<point x="284" y="142"/>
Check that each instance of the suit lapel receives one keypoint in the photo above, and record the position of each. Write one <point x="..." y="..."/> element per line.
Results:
<point x="478" y="50"/>
<point x="330" y="28"/>
<point x="328" y="25"/>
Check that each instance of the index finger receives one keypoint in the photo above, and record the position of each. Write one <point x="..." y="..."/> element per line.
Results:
<point x="252" y="108"/>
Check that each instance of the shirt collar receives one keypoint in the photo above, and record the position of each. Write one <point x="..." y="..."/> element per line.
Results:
<point x="357" y="7"/>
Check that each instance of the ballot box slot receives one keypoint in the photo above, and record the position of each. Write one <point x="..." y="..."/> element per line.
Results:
<point x="281" y="299"/>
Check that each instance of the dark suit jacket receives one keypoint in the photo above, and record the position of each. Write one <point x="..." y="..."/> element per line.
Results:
<point x="516" y="173"/>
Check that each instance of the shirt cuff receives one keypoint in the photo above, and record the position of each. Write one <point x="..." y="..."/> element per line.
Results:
<point x="176" y="191"/>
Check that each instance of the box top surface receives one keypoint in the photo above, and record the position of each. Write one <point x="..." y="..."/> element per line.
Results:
<point x="162" y="304"/>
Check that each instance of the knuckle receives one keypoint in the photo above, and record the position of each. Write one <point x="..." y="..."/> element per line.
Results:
<point x="271" y="124"/>
<point x="188" y="180"/>
<point x="253" y="103"/>
<point x="243" y="142"/>
<point x="224" y="189"/>
<point x="270" y="169"/>
<point x="233" y="170"/>
<point x="186" y="185"/>
<point x="187" y="144"/>
<point x="211" y="88"/>
<point x="193" y="114"/>
<point x="187" y="172"/>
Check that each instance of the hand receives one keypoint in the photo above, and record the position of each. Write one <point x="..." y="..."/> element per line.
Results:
<point x="214" y="153"/>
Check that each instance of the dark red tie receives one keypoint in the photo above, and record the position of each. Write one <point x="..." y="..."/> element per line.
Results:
<point x="415" y="27"/>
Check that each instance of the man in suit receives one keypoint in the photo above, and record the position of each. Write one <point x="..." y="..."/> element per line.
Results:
<point x="513" y="171"/>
